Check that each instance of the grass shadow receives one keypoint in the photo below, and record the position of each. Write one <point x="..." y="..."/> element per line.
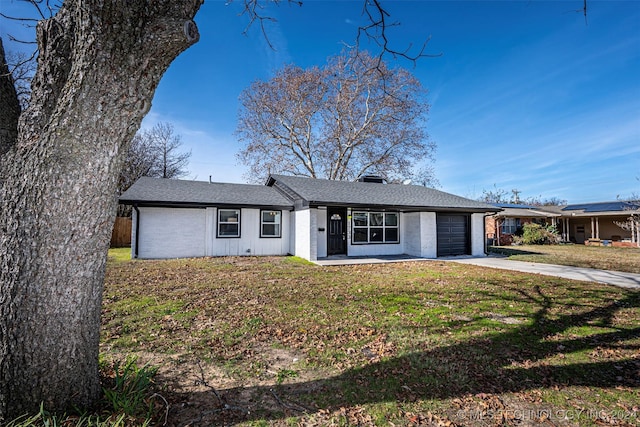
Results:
<point x="511" y="251"/>
<point x="500" y="362"/>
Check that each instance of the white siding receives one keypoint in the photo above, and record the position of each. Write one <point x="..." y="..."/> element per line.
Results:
<point x="183" y="233"/>
<point x="249" y="242"/>
<point x="372" y="249"/>
<point x="477" y="234"/>
<point x="171" y="233"/>
<point x="411" y="233"/>
<point x="429" y="235"/>
<point x="420" y="234"/>
<point x="321" y="222"/>
<point x="292" y="232"/>
<point x="303" y="236"/>
<point x="190" y="232"/>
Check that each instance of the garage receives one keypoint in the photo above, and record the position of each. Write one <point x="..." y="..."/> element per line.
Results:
<point x="453" y="234"/>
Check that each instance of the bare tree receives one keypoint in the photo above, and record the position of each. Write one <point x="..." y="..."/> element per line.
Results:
<point x="165" y="145"/>
<point x="98" y="66"/>
<point x="551" y="201"/>
<point x="140" y="161"/>
<point x="499" y="195"/>
<point x="632" y="224"/>
<point x="156" y="153"/>
<point x="22" y="67"/>
<point x="9" y="107"/>
<point x="350" y="118"/>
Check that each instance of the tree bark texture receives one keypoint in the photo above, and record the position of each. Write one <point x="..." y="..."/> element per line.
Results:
<point x="98" y="67"/>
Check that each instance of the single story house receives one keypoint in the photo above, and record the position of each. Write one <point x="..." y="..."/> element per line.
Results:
<point x="600" y="223"/>
<point x="502" y="226"/>
<point x="309" y="218"/>
<point x="605" y="223"/>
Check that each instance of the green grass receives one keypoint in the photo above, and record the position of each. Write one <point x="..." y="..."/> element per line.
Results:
<point x="119" y="254"/>
<point x="600" y="257"/>
<point x="128" y="400"/>
<point x="400" y="343"/>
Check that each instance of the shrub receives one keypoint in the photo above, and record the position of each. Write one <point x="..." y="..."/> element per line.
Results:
<point x="536" y="234"/>
<point x="131" y="389"/>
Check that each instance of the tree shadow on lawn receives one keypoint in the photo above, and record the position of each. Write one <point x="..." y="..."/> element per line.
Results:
<point x="504" y="362"/>
<point x="511" y="251"/>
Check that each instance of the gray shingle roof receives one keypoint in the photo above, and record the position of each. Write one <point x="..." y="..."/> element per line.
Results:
<point x="158" y="191"/>
<point x="321" y="191"/>
<point x="526" y="213"/>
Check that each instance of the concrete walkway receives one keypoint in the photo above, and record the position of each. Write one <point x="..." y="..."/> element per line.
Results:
<point x="373" y="259"/>
<point x="616" y="278"/>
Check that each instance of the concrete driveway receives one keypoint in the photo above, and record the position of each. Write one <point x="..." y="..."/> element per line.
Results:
<point x="617" y="278"/>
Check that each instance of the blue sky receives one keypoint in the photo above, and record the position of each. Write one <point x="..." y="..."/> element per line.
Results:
<point x="525" y="95"/>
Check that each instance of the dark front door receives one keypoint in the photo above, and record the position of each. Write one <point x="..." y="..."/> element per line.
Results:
<point x="337" y="236"/>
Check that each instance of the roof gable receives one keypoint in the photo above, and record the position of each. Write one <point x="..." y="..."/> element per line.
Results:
<point x="315" y="192"/>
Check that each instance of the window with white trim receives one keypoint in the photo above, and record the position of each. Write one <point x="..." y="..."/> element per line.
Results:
<point x="270" y="223"/>
<point x="510" y="225"/>
<point x="228" y="222"/>
<point x="375" y="227"/>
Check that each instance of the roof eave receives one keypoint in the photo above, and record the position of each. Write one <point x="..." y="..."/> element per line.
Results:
<point x="404" y="208"/>
<point x="201" y="205"/>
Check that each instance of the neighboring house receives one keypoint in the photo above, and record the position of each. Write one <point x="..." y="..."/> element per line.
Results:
<point x="600" y="223"/>
<point x="605" y="223"/>
<point x="502" y="226"/>
<point x="309" y="218"/>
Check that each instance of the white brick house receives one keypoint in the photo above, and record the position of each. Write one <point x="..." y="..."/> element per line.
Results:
<point x="309" y="218"/>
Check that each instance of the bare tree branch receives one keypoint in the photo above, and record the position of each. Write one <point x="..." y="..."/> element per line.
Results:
<point x="22" y="68"/>
<point x="253" y="9"/>
<point x="31" y="22"/>
<point x="338" y="122"/>
<point x="9" y="107"/>
<point x="156" y="153"/>
<point x="377" y="32"/>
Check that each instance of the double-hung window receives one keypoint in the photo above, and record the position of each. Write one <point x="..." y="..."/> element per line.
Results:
<point x="228" y="222"/>
<point x="510" y="225"/>
<point x="375" y="227"/>
<point x="270" y="223"/>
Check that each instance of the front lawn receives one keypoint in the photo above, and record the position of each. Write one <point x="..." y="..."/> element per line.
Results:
<point x="601" y="257"/>
<point x="279" y="341"/>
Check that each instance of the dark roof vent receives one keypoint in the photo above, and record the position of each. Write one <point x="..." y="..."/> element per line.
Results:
<point x="371" y="178"/>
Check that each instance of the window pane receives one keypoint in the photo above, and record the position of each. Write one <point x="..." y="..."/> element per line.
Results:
<point x="391" y="219"/>
<point x="375" y="235"/>
<point x="360" y="219"/>
<point x="228" y="230"/>
<point x="360" y="235"/>
<point x="271" y="216"/>
<point x="272" y="230"/>
<point x="391" y="234"/>
<point x="229" y="215"/>
<point x="376" y="218"/>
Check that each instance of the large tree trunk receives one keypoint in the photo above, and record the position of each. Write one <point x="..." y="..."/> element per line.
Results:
<point x="98" y="67"/>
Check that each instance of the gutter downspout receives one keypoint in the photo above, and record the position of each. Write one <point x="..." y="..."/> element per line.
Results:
<point x="135" y="252"/>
